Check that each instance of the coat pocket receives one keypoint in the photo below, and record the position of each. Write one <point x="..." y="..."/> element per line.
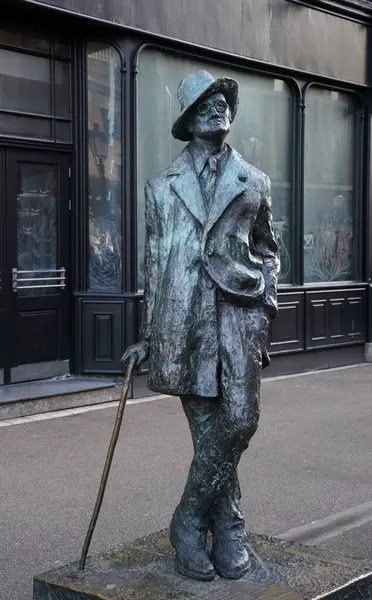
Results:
<point x="240" y="252"/>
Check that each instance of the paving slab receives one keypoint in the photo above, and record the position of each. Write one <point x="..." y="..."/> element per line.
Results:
<point x="357" y="542"/>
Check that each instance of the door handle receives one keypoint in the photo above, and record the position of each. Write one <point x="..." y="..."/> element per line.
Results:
<point x="56" y="278"/>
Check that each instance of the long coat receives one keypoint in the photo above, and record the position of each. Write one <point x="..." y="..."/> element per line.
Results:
<point x="192" y="257"/>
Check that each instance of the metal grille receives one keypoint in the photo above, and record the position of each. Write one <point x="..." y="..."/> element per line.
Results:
<point x="22" y="280"/>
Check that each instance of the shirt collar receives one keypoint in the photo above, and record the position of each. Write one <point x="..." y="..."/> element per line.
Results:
<point x="201" y="157"/>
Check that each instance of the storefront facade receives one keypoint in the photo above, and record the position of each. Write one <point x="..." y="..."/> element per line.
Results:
<point x="86" y="107"/>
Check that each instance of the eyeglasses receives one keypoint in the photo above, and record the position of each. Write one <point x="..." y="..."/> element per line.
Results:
<point x="220" y="105"/>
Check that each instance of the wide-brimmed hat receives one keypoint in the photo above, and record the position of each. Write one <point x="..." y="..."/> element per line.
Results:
<point x="194" y="89"/>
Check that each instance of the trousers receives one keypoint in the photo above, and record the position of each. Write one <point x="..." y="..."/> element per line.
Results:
<point x="222" y="427"/>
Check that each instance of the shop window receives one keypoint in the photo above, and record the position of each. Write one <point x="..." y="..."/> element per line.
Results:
<point x="329" y="199"/>
<point x="104" y="167"/>
<point x="261" y="133"/>
<point x="34" y="86"/>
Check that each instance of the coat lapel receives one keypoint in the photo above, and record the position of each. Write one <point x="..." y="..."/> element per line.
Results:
<point x="231" y="184"/>
<point x="187" y="186"/>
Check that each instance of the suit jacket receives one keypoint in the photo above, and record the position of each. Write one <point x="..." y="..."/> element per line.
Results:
<point x="191" y="257"/>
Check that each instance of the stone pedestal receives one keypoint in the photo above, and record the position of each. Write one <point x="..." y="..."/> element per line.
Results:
<point x="368" y="353"/>
<point x="145" y="570"/>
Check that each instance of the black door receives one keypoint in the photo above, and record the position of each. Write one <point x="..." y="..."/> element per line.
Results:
<point x="2" y="268"/>
<point x="36" y="294"/>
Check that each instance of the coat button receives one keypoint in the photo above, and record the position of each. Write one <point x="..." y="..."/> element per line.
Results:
<point x="210" y="252"/>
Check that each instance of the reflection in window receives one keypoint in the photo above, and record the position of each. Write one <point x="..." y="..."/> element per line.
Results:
<point x="104" y="167"/>
<point x="261" y="133"/>
<point x="329" y="202"/>
<point x="37" y="228"/>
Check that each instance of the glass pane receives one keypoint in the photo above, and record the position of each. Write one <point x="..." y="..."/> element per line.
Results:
<point x="62" y="89"/>
<point x="63" y="132"/>
<point x="62" y="48"/>
<point x="37" y="228"/>
<point x="25" y="39"/>
<point x="329" y="209"/>
<point x="261" y="133"/>
<point x="104" y="168"/>
<point x="26" y="127"/>
<point x="24" y="83"/>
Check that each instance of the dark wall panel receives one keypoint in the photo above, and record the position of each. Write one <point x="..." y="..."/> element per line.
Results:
<point x="103" y="336"/>
<point x="38" y="336"/>
<point x="318" y="319"/>
<point x="369" y="313"/>
<point x="106" y="328"/>
<point x="276" y="31"/>
<point x="355" y="316"/>
<point x="335" y="317"/>
<point x="2" y="337"/>
<point x="103" y="325"/>
<point x="145" y="366"/>
<point x="287" y="331"/>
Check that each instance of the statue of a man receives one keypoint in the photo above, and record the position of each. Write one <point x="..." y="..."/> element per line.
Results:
<point x="211" y="268"/>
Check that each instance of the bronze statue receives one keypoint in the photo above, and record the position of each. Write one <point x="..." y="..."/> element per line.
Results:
<point x="211" y="268"/>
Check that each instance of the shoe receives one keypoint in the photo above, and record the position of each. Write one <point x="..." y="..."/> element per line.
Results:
<point x="230" y="557"/>
<point x="190" y="546"/>
<point x="194" y="563"/>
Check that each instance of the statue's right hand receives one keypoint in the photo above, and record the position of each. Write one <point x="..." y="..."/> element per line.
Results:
<point x="138" y="353"/>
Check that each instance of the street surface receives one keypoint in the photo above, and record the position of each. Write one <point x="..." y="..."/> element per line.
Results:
<point x="311" y="458"/>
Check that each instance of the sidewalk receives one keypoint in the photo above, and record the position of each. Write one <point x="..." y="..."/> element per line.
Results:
<point x="310" y="459"/>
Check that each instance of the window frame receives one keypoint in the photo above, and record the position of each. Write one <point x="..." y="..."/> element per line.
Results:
<point x="298" y="82"/>
<point x="358" y="174"/>
<point x="52" y="57"/>
<point x="85" y="165"/>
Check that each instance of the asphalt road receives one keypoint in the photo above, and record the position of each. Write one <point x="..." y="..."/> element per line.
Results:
<point x="311" y="458"/>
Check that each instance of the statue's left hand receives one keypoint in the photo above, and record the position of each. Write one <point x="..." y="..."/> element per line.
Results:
<point x="140" y="352"/>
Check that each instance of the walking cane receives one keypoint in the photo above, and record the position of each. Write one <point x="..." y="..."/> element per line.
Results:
<point x="106" y="469"/>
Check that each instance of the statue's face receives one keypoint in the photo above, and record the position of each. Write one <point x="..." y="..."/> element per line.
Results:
<point x="211" y="119"/>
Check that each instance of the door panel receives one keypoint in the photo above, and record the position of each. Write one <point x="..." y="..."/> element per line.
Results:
<point x="37" y="198"/>
<point x="38" y="335"/>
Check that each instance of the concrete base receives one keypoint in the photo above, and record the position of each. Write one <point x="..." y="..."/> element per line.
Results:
<point x="368" y="353"/>
<point x="145" y="570"/>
